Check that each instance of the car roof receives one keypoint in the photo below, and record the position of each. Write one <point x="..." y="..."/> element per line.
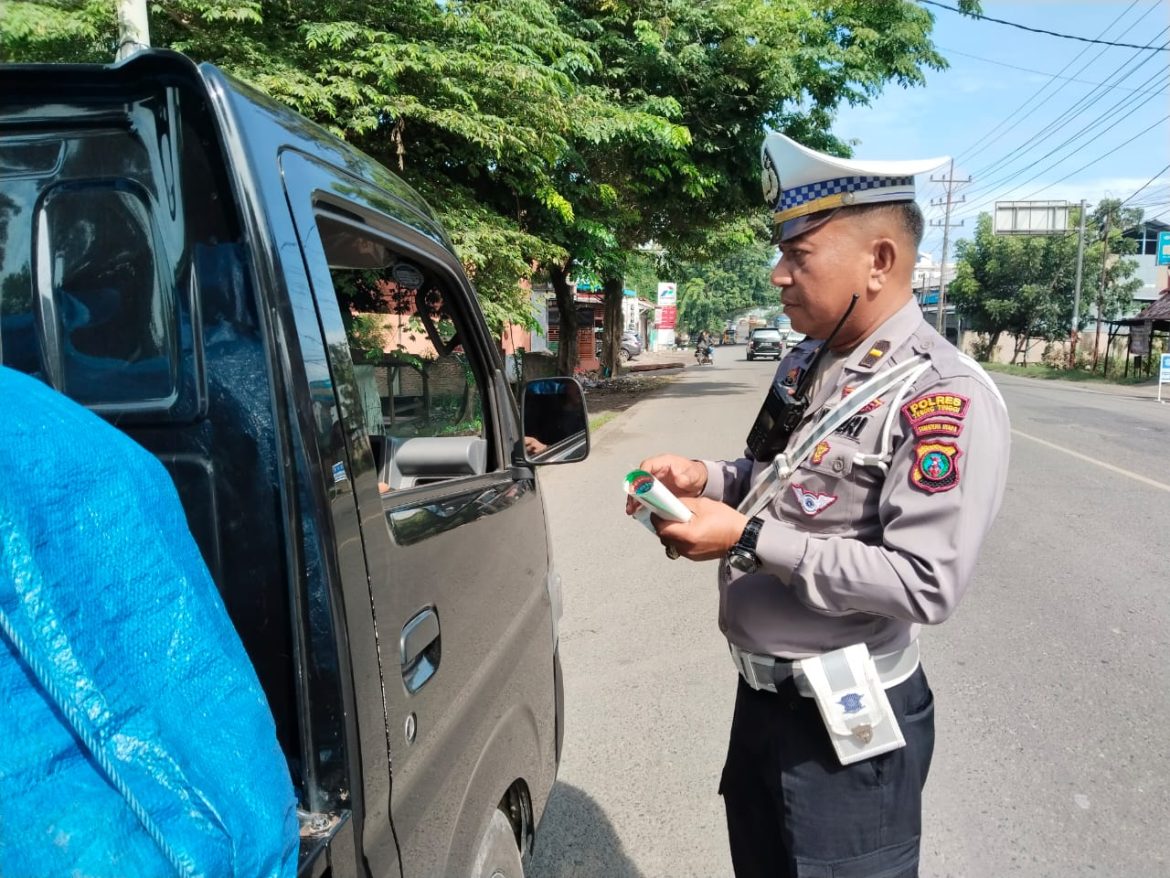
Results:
<point x="272" y="126"/>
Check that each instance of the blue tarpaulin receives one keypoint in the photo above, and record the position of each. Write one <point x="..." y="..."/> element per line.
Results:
<point x="135" y="739"/>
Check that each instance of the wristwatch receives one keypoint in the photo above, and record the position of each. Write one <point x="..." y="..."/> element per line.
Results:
<point x="742" y="556"/>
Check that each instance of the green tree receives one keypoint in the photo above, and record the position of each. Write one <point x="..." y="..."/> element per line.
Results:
<point x="559" y="133"/>
<point x="725" y="71"/>
<point x="716" y="290"/>
<point x="464" y="99"/>
<point x="1025" y="286"/>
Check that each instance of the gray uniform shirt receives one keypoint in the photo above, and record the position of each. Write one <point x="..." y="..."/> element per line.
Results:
<point x="852" y="553"/>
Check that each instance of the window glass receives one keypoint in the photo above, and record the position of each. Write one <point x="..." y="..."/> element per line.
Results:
<point x="116" y="326"/>
<point x="413" y="372"/>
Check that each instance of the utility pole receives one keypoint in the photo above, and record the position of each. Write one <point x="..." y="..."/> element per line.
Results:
<point x="1101" y="291"/>
<point x="133" y="28"/>
<point x="950" y="201"/>
<point x="1075" y="332"/>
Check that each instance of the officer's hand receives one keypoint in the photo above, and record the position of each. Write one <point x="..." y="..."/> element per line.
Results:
<point x="681" y="475"/>
<point x="713" y="530"/>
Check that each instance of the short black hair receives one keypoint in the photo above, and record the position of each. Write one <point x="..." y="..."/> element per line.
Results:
<point x="906" y="213"/>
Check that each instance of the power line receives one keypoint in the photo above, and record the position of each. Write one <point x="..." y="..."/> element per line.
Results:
<point x="1038" y="30"/>
<point x="984" y="142"/>
<point x="1098" y="158"/>
<point x="1046" y="73"/>
<point x="1147" y="183"/>
<point x="1116" y="114"/>
<point x="1094" y="128"/>
<point x="984" y="202"/>
<point x="1079" y="106"/>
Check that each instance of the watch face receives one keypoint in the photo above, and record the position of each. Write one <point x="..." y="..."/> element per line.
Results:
<point x="742" y="561"/>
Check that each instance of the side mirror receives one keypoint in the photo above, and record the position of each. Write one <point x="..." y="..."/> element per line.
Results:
<point x="556" y="423"/>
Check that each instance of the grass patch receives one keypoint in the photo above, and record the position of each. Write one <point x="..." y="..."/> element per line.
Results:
<point x="598" y="421"/>
<point x="1049" y="373"/>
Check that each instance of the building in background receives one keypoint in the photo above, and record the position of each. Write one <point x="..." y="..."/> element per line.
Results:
<point x="925" y="281"/>
<point x="1154" y="277"/>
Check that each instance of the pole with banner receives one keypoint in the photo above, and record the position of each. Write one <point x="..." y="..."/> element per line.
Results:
<point x="666" y="314"/>
<point x="1163" y="375"/>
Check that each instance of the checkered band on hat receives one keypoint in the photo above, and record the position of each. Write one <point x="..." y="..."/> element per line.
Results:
<point x="799" y="195"/>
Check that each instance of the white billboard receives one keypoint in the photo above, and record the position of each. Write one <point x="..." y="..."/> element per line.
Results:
<point x="1031" y="217"/>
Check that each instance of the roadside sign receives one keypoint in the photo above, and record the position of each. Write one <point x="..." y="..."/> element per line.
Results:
<point x="1031" y="217"/>
<point x="1164" y="248"/>
<point x="1139" y="340"/>
<point x="1163" y="374"/>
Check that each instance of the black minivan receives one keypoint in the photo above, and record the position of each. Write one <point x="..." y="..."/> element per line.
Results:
<point x="176" y="253"/>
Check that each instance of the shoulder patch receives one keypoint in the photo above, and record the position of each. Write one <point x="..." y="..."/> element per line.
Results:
<point x="936" y="466"/>
<point x="936" y="405"/>
<point x="939" y="427"/>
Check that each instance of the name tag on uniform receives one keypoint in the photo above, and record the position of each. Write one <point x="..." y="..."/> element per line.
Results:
<point x="852" y="703"/>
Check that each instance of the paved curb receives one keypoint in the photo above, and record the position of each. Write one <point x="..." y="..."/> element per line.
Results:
<point x="1121" y="391"/>
<point x="595" y="435"/>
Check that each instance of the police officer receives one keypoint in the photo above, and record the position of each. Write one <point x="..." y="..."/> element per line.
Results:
<point x="870" y="533"/>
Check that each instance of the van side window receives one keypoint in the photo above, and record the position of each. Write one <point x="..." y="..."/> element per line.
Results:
<point x="415" y="377"/>
<point x="113" y="319"/>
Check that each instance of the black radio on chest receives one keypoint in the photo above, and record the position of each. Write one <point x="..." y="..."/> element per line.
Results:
<point x="778" y="419"/>
<point x="784" y="408"/>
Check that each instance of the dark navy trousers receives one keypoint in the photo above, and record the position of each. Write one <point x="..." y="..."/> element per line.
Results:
<point x="793" y="811"/>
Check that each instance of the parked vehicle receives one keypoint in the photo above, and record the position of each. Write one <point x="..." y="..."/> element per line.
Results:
<point x="630" y="346"/>
<point x="765" y="342"/>
<point x="178" y="255"/>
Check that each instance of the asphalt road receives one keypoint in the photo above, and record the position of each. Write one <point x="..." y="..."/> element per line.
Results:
<point x="1053" y="753"/>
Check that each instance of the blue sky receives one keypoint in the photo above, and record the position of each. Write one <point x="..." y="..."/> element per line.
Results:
<point x="958" y="110"/>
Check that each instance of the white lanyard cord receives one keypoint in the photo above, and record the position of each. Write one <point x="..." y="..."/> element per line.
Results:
<point x="785" y="464"/>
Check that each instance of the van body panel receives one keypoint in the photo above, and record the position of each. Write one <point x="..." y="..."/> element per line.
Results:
<point x="214" y="336"/>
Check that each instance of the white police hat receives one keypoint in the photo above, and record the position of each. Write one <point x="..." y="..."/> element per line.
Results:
<point x="800" y="184"/>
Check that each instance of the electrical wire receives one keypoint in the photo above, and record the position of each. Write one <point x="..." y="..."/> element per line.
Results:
<point x="1071" y="113"/>
<point x="1038" y="30"/>
<point x="1117" y="109"/>
<point x="1117" y="113"/>
<point x="983" y="202"/>
<point x="986" y="141"/>
<point x="1147" y="183"/>
<point x="1046" y="73"/>
<point x="1099" y="158"/>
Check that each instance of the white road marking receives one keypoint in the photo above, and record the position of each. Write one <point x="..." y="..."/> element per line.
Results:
<point x="1137" y="477"/>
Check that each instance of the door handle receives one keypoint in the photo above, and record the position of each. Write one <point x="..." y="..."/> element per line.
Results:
<point x="419" y="649"/>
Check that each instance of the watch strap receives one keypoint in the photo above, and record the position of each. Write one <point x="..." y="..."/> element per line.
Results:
<point x="751" y="535"/>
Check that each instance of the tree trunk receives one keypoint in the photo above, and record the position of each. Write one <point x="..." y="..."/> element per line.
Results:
<point x="611" y="337"/>
<point x="992" y="345"/>
<point x="567" y="342"/>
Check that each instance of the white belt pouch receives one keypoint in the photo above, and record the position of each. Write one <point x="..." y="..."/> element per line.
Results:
<point x="852" y="702"/>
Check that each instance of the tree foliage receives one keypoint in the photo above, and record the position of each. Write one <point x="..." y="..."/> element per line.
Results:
<point x="560" y="134"/>
<point x="715" y="291"/>
<point x="1025" y="285"/>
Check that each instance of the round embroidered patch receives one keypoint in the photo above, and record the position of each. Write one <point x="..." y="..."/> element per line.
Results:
<point x="936" y="467"/>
